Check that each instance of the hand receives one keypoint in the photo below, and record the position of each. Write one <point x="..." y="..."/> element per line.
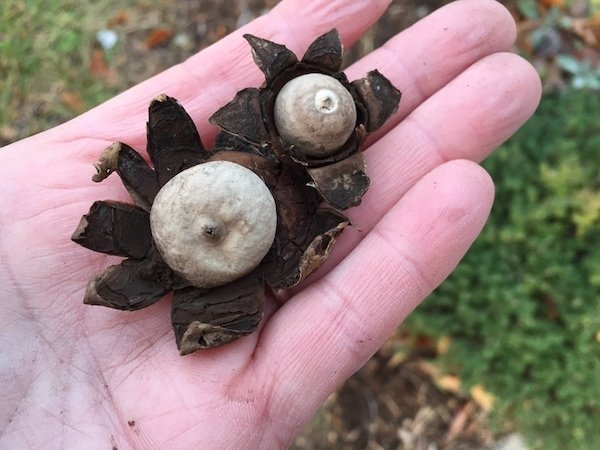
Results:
<point x="76" y="376"/>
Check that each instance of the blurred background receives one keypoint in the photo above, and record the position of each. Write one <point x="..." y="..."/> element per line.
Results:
<point x="506" y="354"/>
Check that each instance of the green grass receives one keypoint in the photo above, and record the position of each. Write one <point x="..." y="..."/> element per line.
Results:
<point x="45" y="54"/>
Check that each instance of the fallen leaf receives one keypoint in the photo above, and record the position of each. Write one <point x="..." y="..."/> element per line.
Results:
<point x="99" y="68"/>
<point x="443" y="345"/>
<point x="221" y="31"/>
<point x="424" y="343"/>
<point x="588" y="29"/>
<point x="98" y="64"/>
<point x="158" y="36"/>
<point x="119" y="18"/>
<point x="554" y="3"/>
<point x="449" y="383"/>
<point x="397" y="359"/>
<point x="73" y="101"/>
<point x="483" y="398"/>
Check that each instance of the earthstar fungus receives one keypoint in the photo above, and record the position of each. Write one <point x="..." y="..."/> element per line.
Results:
<point x="216" y="226"/>
<point x="337" y="171"/>
<point x="230" y="228"/>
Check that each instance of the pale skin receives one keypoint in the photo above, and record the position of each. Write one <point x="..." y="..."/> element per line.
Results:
<point x="73" y="376"/>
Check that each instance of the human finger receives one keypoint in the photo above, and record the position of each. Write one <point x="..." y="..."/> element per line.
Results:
<point x="325" y="333"/>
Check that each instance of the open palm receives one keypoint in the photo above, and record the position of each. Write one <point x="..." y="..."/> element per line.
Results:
<point x="75" y="376"/>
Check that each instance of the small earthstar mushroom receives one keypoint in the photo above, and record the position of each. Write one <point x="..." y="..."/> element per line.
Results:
<point x="213" y="223"/>
<point x="315" y="113"/>
<point x="309" y="115"/>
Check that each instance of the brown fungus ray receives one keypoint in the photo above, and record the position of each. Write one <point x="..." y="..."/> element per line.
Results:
<point x="173" y="140"/>
<point x="115" y="228"/>
<point x="326" y="51"/>
<point x="206" y="319"/>
<point x="137" y="177"/>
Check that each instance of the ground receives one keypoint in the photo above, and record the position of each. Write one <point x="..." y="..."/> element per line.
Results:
<point x="394" y="402"/>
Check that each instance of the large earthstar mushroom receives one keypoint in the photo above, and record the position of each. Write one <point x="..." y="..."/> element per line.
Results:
<point x="213" y="223"/>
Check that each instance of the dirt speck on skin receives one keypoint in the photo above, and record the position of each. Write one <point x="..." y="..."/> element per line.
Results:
<point x="131" y="423"/>
<point x="113" y="442"/>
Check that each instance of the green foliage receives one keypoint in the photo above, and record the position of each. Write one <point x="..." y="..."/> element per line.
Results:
<point x="523" y="309"/>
